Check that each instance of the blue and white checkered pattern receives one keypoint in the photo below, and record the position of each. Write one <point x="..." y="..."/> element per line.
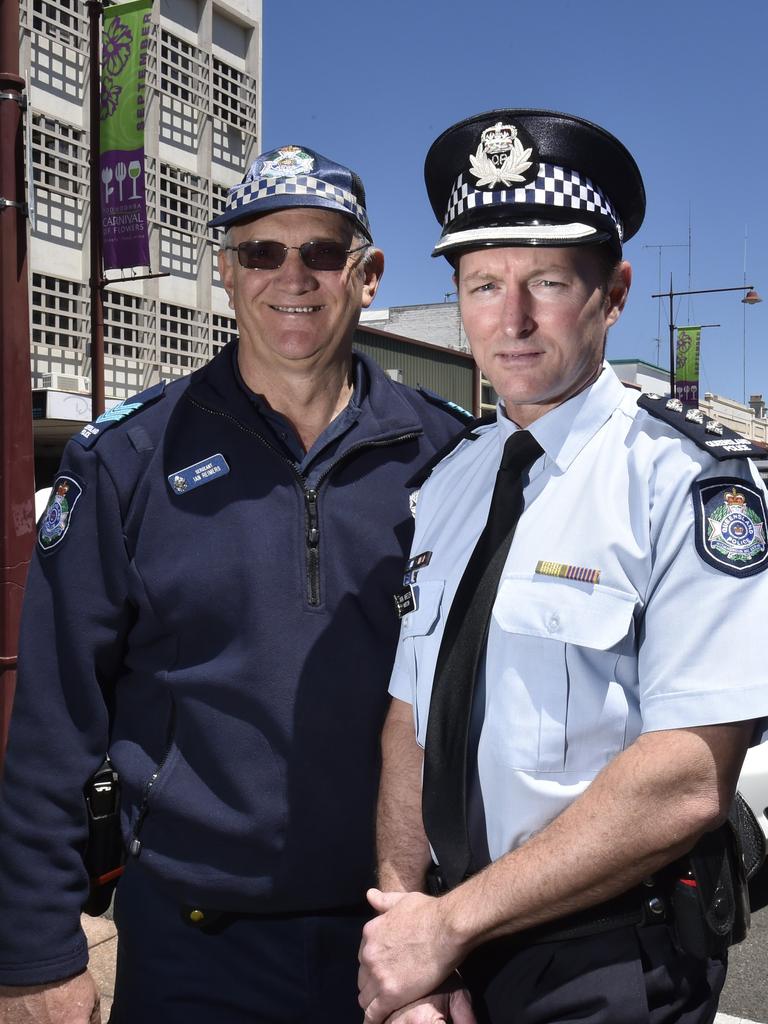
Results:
<point x="554" y="186"/>
<point x="248" y="192"/>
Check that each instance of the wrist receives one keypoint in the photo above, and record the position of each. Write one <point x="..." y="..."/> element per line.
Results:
<point x="462" y="930"/>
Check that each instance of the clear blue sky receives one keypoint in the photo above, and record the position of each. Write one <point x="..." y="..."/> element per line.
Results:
<point x="683" y="84"/>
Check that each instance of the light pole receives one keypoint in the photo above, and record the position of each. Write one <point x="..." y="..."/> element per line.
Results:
<point x="17" y="519"/>
<point x="750" y="298"/>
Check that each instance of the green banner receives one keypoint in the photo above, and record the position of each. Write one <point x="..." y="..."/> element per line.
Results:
<point x="687" y="365"/>
<point x="125" y="41"/>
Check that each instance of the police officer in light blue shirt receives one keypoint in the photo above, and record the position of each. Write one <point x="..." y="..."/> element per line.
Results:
<point x="617" y="684"/>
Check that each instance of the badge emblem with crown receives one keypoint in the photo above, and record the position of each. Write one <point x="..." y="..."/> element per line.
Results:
<point x="58" y="513"/>
<point x="290" y="162"/>
<point x="734" y="530"/>
<point x="501" y="157"/>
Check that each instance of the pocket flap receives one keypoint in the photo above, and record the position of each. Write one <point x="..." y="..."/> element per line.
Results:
<point x="574" y="613"/>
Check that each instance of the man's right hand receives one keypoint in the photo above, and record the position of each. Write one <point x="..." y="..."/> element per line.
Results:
<point x="73" y="1001"/>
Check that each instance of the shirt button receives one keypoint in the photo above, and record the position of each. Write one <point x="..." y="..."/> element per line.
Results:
<point x="554" y="624"/>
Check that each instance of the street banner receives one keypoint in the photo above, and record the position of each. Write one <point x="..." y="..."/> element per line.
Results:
<point x="124" y="47"/>
<point x="687" y="365"/>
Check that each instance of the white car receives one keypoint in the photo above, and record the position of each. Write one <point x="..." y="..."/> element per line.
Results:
<point x="753" y="783"/>
<point x="753" y="786"/>
<point x="41" y="500"/>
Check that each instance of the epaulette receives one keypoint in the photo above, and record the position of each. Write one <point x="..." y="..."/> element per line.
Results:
<point x="720" y="441"/>
<point x="90" y="433"/>
<point x="443" y="403"/>
<point x="467" y="434"/>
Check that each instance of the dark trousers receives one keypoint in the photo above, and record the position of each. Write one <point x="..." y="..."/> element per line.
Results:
<point x="624" y="976"/>
<point x="271" y="969"/>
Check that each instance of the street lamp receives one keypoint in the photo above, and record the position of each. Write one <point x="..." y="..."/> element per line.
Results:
<point x="750" y="299"/>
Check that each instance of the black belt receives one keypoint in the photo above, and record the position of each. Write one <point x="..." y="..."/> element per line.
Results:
<point x="645" y="904"/>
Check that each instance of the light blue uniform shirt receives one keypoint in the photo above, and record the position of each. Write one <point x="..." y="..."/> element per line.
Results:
<point x="575" y="670"/>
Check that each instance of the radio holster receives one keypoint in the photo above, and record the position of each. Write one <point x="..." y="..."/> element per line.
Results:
<point x="710" y="896"/>
<point x="105" y="854"/>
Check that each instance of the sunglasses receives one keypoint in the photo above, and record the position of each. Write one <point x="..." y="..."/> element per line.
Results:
<point x="271" y="255"/>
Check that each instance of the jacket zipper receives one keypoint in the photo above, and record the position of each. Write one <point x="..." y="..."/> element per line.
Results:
<point x="134" y="846"/>
<point x="311" y="494"/>
<point x="313" y="548"/>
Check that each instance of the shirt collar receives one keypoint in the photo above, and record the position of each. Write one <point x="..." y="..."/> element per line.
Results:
<point x="566" y="429"/>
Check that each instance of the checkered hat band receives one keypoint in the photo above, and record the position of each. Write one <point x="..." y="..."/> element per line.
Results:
<point x="248" y="192"/>
<point x="554" y="186"/>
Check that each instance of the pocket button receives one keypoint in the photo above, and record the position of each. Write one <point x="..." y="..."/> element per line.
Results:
<point x="554" y="624"/>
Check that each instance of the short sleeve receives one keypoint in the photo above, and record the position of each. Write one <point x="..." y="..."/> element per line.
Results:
<point x="700" y="660"/>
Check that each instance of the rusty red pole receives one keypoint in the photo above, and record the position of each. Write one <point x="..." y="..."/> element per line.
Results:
<point x="17" y="519"/>
<point x="95" y="8"/>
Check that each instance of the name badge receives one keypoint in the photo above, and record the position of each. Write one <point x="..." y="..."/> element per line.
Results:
<point x="203" y="472"/>
<point x="404" y="602"/>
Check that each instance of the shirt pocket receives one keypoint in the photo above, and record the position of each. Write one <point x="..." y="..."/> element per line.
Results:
<point x="552" y="672"/>
<point x="417" y="634"/>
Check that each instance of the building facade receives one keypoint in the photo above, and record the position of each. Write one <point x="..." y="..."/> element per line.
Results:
<point x="203" y="125"/>
<point x="443" y="370"/>
<point x="438" y="323"/>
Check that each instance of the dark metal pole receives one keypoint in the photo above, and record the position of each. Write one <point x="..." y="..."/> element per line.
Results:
<point x="96" y="278"/>
<point x="699" y="291"/>
<point x="17" y="517"/>
<point x="671" y="342"/>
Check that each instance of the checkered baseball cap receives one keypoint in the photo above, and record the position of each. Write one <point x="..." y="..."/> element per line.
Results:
<point x="295" y="176"/>
<point x="532" y="177"/>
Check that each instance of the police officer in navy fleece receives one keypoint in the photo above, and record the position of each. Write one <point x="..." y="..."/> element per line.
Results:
<point x="210" y="601"/>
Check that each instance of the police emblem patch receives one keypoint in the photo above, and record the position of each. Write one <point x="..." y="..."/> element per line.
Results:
<point x="289" y="163"/>
<point x="57" y="517"/>
<point x="731" y="520"/>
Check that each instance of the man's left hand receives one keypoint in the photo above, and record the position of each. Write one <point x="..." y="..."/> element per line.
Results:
<point x="406" y="952"/>
<point x="451" y="1005"/>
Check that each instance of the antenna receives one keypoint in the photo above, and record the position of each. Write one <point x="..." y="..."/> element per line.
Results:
<point x="660" y="246"/>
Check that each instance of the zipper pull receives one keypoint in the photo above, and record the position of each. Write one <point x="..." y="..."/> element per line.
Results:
<point x="313" y="531"/>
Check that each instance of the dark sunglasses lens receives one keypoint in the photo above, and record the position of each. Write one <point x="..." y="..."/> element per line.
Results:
<point x="324" y="255"/>
<point x="261" y="255"/>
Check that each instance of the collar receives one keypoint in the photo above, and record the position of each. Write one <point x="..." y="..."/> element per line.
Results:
<point x="359" y="391"/>
<point x="565" y="430"/>
<point x="383" y="406"/>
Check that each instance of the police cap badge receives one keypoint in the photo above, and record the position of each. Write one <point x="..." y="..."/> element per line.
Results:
<point x="295" y="176"/>
<point x="532" y="177"/>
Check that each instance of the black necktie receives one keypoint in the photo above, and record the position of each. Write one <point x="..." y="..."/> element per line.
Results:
<point x="444" y="793"/>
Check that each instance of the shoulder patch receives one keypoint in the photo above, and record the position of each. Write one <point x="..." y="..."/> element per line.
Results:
<point x="443" y="403"/>
<point x="467" y="434"/>
<point x="731" y="518"/>
<point x="721" y="442"/>
<point x="56" y="520"/>
<point x="90" y="434"/>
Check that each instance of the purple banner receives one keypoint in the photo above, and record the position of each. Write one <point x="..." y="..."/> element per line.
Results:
<point x="125" y="40"/>
<point x="687" y="365"/>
